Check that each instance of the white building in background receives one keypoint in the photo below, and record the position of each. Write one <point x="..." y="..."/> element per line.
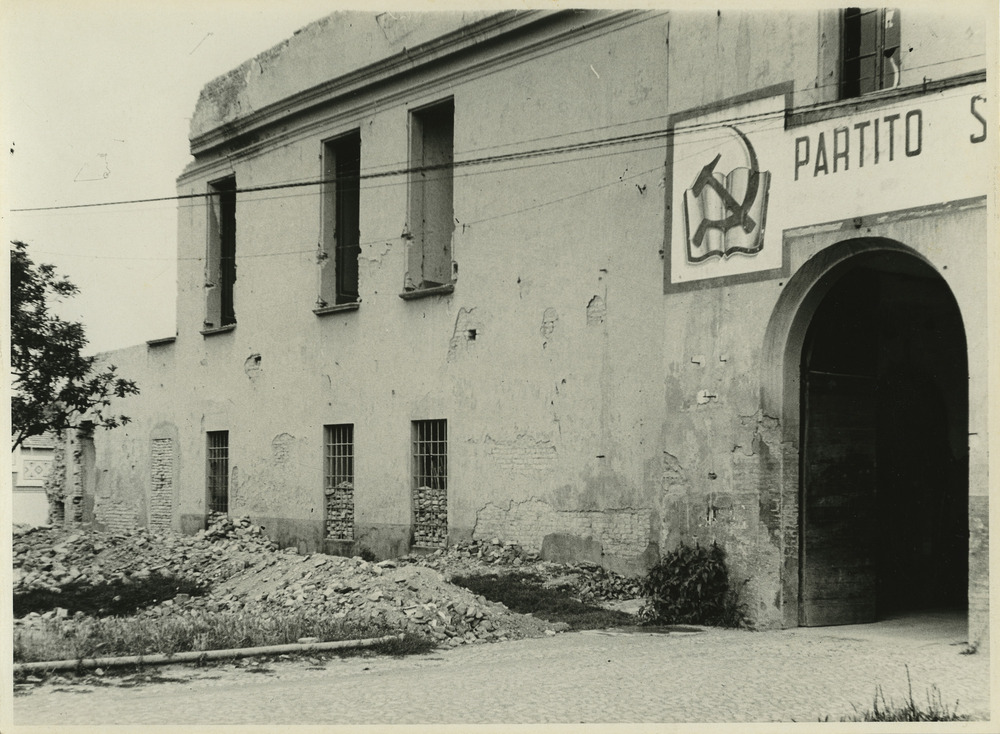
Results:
<point x="31" y="464"/>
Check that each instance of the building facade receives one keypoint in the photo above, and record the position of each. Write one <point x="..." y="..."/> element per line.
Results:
<point x="31" y="465"/>
<point x="596" y="283"/>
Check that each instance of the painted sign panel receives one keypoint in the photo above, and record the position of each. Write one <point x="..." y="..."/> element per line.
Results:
<point x="740" y="174"/>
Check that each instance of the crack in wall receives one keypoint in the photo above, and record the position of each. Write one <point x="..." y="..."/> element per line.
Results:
<point x="467" y="329"/>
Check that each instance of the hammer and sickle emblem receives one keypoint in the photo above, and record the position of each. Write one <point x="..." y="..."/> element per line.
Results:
<point x="737" y="213"/>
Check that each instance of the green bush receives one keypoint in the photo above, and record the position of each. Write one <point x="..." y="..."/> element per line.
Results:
<point x="691" y="585"/>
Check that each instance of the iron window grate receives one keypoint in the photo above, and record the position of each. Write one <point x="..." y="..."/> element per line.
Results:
<point x="218" y="472"/>
<point x="430" y="454"/>
<point x="339" y="455"/>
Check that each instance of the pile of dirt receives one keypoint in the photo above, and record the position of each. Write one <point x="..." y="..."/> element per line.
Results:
<point x="52" y="559"/>
<point x="591" y="582"/>
<point x="241" y="570"/>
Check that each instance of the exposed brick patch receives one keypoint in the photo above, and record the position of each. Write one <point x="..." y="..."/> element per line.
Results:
<point x="620" y="532"/>
<point x="161" y="503"/>
<point x="522" y="456"/>
<point x="430" y="517"/>
<point x="117" y="516"/>
<point x="340" y="512"/>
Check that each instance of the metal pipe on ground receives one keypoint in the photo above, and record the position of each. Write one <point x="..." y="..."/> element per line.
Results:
<point x="200" y="655"/>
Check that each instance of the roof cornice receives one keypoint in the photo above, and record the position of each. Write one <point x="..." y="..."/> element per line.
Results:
<point x="406" y="60"/>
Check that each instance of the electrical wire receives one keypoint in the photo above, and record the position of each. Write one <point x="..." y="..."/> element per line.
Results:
<point x="477" y="161"/>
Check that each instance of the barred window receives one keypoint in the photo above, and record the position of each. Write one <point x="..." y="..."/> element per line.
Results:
<point x="218" y="472"/>
<point x="339" y="481"/>
<point x="430" y="483"/>
<point x="430" y="454"/>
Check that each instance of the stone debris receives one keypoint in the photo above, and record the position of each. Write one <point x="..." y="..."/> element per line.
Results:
<point x="430" y="517"/>
<point x="244" y="571"/>
<point x="590" y="582"/>
<point x="340" y="511"/>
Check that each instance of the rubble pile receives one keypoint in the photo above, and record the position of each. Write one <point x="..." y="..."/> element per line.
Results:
<point x="50" y="559"/>
<point x="241" y="570"/>
<point x="244" y="571"/>
<point x="590" y="581"/>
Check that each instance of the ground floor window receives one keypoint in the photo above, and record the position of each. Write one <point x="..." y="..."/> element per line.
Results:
<point x="218" y="474"/>
<point x="339" y="481"/>
<point x="430" y="483"/>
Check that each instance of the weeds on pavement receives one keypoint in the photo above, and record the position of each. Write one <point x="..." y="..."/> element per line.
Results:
<point x="909" y="710"/>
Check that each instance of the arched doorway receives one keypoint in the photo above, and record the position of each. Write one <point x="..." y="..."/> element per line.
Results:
<point x="883" y="404"/>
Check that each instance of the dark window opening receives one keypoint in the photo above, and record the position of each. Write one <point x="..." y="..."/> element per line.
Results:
<point x="341" y="220"/>
<point x="218" y="473"/>
<point x="430" y="454"/>
<point x="871" y="51"/>
<point x="221" y="261"/>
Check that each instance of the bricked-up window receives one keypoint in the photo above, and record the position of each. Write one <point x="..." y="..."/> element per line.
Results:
<point x="218" y="473"/>
<point x="430" y="483"/>
<point x="339" y="481"/>
<point x="871" y="40"/>
<point x="431" y="187"/>
<point x="220" y="263"/>
<point x="341" y="220"/>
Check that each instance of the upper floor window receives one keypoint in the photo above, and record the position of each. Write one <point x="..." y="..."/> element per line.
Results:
<point x="341" y="220"/>
<point x="431" y="212"/>
<point x="220" y="275"/>
<point x="870" y="52"/>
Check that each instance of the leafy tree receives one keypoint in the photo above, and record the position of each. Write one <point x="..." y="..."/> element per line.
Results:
<point x="53" y="386"/>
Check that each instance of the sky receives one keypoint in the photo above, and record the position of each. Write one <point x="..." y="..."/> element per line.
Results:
<point x="96" y="104"/>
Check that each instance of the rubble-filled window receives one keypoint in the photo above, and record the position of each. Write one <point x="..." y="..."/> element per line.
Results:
<point x="871" y="40"/>
<point x="430" y="482"/>
<point x="341" y="220"/>
<point x="220" y="263"/>
<point x="218" y="475"/>
<point x="339" y="481"/>
<point x="431" y="186"/>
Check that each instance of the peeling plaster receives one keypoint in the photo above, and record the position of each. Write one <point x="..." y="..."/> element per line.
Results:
<point x="374" y="255"/>
<point x="596" y="311"/>
<point x="549" y="318"/>
<point x="620" y="532"/>
<point x="252" y="366"/>
<point x="673" y="480"/>
<point x="280" y="446"/>
<point x="765" y="431"/>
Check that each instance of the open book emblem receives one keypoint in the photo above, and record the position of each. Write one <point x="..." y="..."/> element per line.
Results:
<point x="724" y="213"/>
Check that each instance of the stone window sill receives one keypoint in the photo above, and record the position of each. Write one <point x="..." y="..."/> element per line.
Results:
<point x="438" y="290"/>
<point x="337" y="308"/>
<point x="218" y="330"/>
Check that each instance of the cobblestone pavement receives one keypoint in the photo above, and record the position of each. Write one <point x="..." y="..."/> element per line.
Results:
<point x="592" y="677"/>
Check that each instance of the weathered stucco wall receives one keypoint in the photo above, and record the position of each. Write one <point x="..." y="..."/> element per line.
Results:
<point x="589" y="414"/>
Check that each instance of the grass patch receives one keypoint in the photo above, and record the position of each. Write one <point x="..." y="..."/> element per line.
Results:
<point x="119" y="597"/>
<point x="525" y="593"/>
<point x="73" y="639"/>
<point x="909" y="710"/>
